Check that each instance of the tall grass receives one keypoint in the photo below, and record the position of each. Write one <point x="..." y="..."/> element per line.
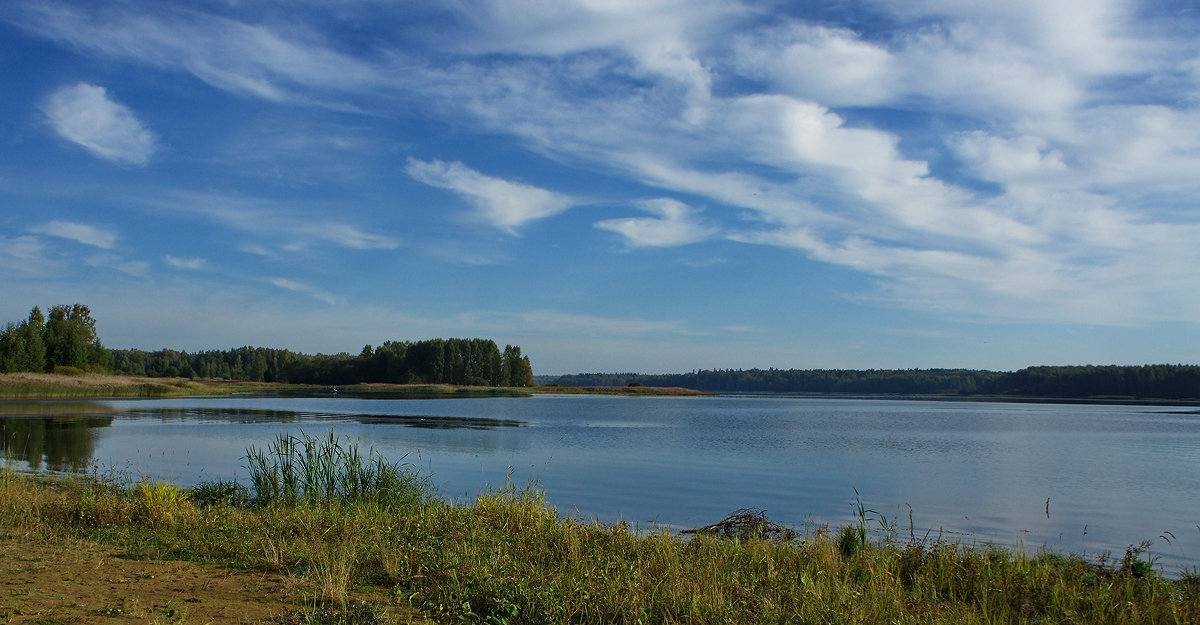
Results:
<point x="295" y="470"/>
<point x="508" y="557"/>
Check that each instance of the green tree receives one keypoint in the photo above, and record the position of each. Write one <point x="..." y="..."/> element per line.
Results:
<point x="22" y="346"/>
<point x="516" y="368"/>
<point x="71" y="339"/>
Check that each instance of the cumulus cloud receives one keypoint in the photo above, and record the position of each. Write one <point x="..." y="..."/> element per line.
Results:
<point x="85" y="114"/>
<point x="674" y="225"/>
<point x="80" y="233"/>
<point x="503" y="204"/>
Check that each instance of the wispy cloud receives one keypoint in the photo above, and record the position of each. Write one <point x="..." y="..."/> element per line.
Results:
<point x="279" y="225"/>
<point x="503" y="204"/>
<point x="674" y="225"/>
<point x="80" y="233"/>
<point x="24" y="255"/>
<point x="231" y="55"/>
<point x="307" y="289"/>
<point x="85" y="114"/>
<point x="190" y="264"/>
<point x="136" y="268"/>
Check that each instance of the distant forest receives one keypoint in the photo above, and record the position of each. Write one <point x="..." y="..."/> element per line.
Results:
<point x="67" y="342"/>
<point x="1080" y="382"/>
<point x="465" y="362"/>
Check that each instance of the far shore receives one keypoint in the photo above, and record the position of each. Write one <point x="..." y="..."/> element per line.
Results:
<point x="97" y="385"/>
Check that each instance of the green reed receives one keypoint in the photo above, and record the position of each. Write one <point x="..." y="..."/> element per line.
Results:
<point x="304" y="470"/>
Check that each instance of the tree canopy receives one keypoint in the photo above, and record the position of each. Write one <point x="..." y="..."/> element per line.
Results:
<point x="67" y="339"/>
<point x="465" y="362"/>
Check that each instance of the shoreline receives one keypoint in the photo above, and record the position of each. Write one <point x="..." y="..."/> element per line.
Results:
<point x="509" y="557"/>
<point x="94" y="385"/>
<point x="98" y="386"/>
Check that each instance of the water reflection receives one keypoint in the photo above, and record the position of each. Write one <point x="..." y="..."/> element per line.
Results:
<point x="260" y="415"/>
<point x="51" y="443"/>
<point x="440" y="423"/>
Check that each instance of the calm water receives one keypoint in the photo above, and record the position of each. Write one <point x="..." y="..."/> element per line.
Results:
<point x="972" y="472"/>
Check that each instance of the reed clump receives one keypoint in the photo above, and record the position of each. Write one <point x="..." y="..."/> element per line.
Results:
<point x="508" y="557"/>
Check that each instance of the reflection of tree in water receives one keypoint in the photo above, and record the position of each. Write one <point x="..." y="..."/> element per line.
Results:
<point x="62" y="443"/>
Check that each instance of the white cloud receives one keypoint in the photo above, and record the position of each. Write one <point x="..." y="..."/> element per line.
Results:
<point x="307" y="289"/>
<point x="344" y="235"/>
<point x="80" y="233"/>
<point x="25" y="255"/>
<point x="191" y="264"/>
<point x="137" y="268"/>
<point x="673" y="226"/>
<point x="85" y="114"/>
<point x="503" y="204"/>
<point x="1009" y="160"/>
<point x="233" y="56"/>
<point x="292" y="226"/>
<point x="1090" y="216"/>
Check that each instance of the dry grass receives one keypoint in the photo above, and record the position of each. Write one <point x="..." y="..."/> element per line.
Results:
<point x="509" y="558"/>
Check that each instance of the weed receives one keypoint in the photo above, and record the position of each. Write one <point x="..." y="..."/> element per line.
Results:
<point x="161" y="502"/>
<point x="224" y="493"/>
<point x="353" y="613"/>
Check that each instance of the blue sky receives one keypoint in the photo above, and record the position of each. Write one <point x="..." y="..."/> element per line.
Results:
<point x="649" y="185"/>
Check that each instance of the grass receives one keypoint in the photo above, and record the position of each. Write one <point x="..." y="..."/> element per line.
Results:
<point x="507" y="557"/>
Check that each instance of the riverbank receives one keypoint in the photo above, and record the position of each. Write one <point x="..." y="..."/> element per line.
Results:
<point x="85" y="385"/>
<point x="96" y="546"/>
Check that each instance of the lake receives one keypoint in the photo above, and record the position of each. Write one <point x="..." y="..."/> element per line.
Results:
<point x="1068" y="477"/>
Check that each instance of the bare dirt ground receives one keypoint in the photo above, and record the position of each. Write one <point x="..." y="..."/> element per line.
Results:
<point x="75" y="581"/>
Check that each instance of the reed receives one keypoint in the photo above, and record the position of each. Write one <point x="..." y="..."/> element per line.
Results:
<point x="306" y="470"/>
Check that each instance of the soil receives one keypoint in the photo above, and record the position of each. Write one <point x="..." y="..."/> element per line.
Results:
<point x="77" y="581"/>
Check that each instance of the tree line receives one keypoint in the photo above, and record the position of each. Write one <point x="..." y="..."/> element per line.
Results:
<point x="465" y="362"/>
<point x="68" y="341"/>
<point x="1078" y="382"/>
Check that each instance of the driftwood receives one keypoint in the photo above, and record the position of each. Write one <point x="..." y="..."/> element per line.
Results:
<point x="746" y="523"/>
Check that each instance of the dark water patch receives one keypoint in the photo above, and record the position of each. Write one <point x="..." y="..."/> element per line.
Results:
<point x="51" y="443"/>
<point x="439" y="423"/>
<point x="259" y="415"/>
<point x="218" y="415"/>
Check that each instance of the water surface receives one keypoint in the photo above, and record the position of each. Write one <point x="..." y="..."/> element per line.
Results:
<point x="1074" y="478"/>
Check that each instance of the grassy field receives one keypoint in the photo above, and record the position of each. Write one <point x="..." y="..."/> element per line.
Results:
<point x="358" y="540"/>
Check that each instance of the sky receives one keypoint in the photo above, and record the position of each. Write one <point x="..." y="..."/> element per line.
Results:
<point x="621" y="186"/>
